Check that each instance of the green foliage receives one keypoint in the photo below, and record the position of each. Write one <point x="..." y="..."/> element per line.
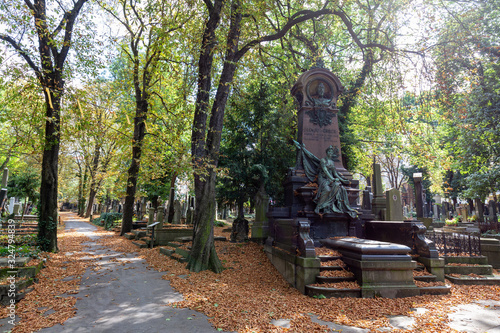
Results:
<point x="255" y="145"/>
<point x="28" y="240"/>
<point x="25" y="184"/>
<point x="218" y="223"/>
<point x="426" y="183"/>
<point x="20" y="251"/>
<point x="107" y="220"/>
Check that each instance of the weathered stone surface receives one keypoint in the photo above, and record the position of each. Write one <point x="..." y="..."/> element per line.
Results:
<point x="239" y="232"/>
<point x="394" y="207"/>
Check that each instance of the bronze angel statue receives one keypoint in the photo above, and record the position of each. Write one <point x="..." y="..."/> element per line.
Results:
<point x="331" y="196"/>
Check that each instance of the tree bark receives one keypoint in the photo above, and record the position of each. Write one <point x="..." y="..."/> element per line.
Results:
<point x="171" y="196"/>
<point x="203" y="255"/>
<point x="133" y="171"/>
<point x="47" y="225"/>
<point x="93" y="180"/>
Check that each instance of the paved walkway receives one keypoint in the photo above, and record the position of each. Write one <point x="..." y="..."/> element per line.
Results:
<point x="126" y="297"/>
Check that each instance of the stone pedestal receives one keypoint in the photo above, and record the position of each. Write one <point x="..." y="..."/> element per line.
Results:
<point x="160" y="217"/>
<point x="435" y="266"/>
<point x="490" y="248"/>
<point x="151" y="215"/>
<point x="298" y="271"/>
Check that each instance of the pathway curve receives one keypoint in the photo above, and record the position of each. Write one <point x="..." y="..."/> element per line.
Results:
<point x="125" y="296"/>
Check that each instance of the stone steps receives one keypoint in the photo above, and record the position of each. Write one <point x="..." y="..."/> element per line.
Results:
<point x="326" y="292"/>
<point x="484" y="280"/>
<point x="129" y="235"/>
<point x="471" y="271"/>
<point x="141" y="244"/>
<point x="175" y="251"/>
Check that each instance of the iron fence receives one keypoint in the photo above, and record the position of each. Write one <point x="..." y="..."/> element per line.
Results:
<point x="454" y="244"/>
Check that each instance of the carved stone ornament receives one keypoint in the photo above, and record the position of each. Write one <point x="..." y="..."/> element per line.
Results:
<point x="317" y="87"/>
<point x="320" y="117"/>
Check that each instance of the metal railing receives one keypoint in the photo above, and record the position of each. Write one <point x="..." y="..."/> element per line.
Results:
<point x="455" y="244"/>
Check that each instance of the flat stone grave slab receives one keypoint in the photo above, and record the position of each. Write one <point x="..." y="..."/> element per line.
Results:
<point x="381" y="268"/>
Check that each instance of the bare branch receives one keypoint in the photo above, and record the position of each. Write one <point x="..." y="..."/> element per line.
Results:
<point x="23" y="54"/>
<point x="29" y="4"/>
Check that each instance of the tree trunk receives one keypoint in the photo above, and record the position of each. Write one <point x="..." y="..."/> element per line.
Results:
<point x="90" y="204"/>
<point x="133" y="171"/>
<point x="171" y="197"/>
<point x="203" y="255"/>
<point x="81" y="209"/>
<point x="93" y="180"/>
<point x="47" y="225"/>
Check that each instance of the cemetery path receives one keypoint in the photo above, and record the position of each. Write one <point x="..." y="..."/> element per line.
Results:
<point x="124" y="295"/>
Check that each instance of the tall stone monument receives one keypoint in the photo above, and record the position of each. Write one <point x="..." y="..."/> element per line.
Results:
<point x="379" y="202"/>
<point x="419" y="196"/>
<point x="321" y="207"/>
<point x="316" y="92"/>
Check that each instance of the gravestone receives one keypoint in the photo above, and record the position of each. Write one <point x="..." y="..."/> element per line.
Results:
<point x="16" y="208"/>
<point x="379" y="202"/>
<point x="260" y="229"/>
<point x="160" y="217"/>
<point x="184" y="208"/>
<point x="446" y="209"/>
<point x="394" y="209"/>
<point x="436" y="212"/>
<point x="367" y="201"/>
<point x="419" y="202"/>
<point x="12" y="202"/>
<point x="151" y="215"/>
<point x="493" y="211"/>
<point x="190" y="215"/>
<point x="437" y="207"/>
<point x="177" y="212"/>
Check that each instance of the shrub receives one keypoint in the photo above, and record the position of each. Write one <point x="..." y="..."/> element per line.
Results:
<point x="21" y="251"/>
<point x="107" y="219"/>
<point x="29" y="240"/>
<point x="453" y="221"/>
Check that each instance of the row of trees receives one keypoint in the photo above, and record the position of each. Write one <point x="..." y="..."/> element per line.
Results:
<point x="199" y="90"/>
